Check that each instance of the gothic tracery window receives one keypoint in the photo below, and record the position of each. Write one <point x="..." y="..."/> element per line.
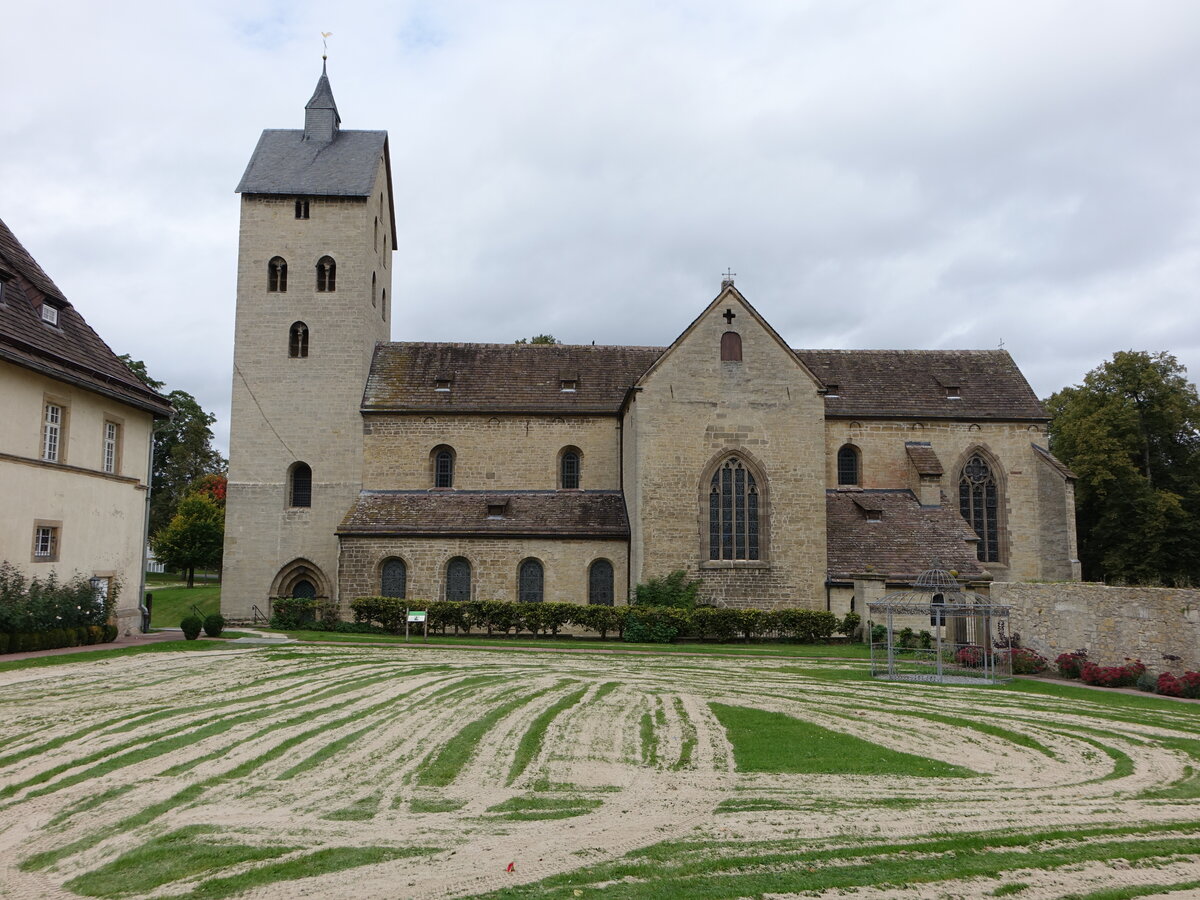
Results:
<point x="979" y="503"/>
<point x="733" y="513"/>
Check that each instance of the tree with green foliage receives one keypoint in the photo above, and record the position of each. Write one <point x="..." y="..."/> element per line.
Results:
<point x="193" y="538"/>
<point x="538" y="339"/>
<point x="1131" y="434"/>
<point x="675" y="590"/>
<point x="183" y="451"/>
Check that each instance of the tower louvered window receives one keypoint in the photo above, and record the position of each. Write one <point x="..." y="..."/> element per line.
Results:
<point x="733" y="513"/>
<point x="277" y="275"/>
<point x="298" y="340"/>
<point x="979" y="503"/>
<point x="326" y="275"/>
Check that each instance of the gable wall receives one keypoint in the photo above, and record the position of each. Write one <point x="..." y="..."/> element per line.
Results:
<point x="692" y="410"/>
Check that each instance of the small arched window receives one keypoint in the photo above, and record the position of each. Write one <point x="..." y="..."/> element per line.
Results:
<point x="326" y="275"/>
<point x="373" y="296"/>
<point x="383" y="304"/>
<point x="458" y="580"/>
<point x="530" y="579"/>
<point x="731" y="347"/>
<point x="600" y="583"/>
<point x="568" y="469"/>
<point x="847" y="465"/>
<point x="733" y="508"/>
<point x="300" y="485"/>
<point x="443" y="468"/>
<point x="298" y="340"/>
<point x="393" y="578"/>
<point x="979" y="503"/>
<point x="277" y="275"/>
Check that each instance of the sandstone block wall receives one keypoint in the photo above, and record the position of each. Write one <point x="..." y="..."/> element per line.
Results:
<point x="494" y="566"/>
<point x="1112" y="623"/>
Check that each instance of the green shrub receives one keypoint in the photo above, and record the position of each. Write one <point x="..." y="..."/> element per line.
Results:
<point x="849" y="625"/>
<point x="214" y="624"/>
<point x="1147" y="682"/>
<point x="807" y="626"/>
<point x="389" y="613"/>
<point x="878" y="634"/>
<point x="110" y="633"/>
<point x="675" y="590"/>
<point x="654" y="624"/>
<point x="31" y="605"/>
<point x="191" y="627"/>
<point x="601" y="619"/>
<point x="291" y="613"/>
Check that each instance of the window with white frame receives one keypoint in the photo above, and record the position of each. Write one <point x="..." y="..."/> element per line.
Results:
<point x="52" y="423"/>
<point x="112" y="447"/>
<point x="45" y="543"/>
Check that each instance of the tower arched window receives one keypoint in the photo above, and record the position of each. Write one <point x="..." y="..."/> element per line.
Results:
<point x="277" y="275"/>
<point x="979" y="503"/>
<point x="734" y="528"/>
<point x="383" y="304"/>
<point x="600" y="583"/>
<point x="298" y="340"/>
<point x="569" y="469"/>
<point x="731" y="347"/>
<point x="458" y="580"/>
<point x="393" y="578"/>
<point x="530" y="579"/>
<point x="443" y="468"/>
<point x="848" y="465"/>
<point x="300" y="485"/>
<point x="374" y="300"/>
<point x="326" y="275"/>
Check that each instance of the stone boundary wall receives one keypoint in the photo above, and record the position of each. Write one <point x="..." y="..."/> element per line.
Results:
<point x="1112" y="623"/>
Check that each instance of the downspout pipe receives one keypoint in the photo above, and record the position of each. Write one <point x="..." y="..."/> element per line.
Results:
<point x="146" y="534"/>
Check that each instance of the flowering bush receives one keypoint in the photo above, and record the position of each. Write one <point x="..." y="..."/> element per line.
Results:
<point x="1113" y="676"/>
<point x="1027" y="662"/>
<point x="1187" y="685"/>
<point x="1070" y="665"/>
<point x="970" y="656"/>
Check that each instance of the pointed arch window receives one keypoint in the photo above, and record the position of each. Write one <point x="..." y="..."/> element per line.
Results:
<point x="979" y="503"/>
<point x="568" y="470"/>
<point x="298" y="341"/>
<point x="530" y="581"/>
<point x="277" y="275"/>
<point x="733" y="513"/>
<point x="600" y="583"/>
<point x="304" y="590"/>
<point x="393" y="578"/>
<point x="458" y="580"/>
<point x="848" y="465"/>
<point x="300" y="485"/>
<point x="326" y="275"/>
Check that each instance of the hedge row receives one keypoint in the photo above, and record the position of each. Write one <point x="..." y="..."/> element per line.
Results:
<point x="25" y="641"/>
<point x="632" y="623"/>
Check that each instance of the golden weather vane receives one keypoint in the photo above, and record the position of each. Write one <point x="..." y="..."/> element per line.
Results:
<point x="325" y="36"/>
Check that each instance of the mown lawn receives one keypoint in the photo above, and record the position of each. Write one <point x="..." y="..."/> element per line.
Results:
<point x="173" y="604"/>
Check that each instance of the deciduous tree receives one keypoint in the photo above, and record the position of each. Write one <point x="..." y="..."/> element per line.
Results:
<point x="193" y="537"/>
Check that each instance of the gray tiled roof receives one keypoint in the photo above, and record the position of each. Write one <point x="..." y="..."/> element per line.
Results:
<point x="574" y="514"/>
<point x="504" y="377"/>
<point x="70" y="351"/>
<point x="285" y="163"/>
<point x="903" y="543"/>
<point x="914" y="383"/>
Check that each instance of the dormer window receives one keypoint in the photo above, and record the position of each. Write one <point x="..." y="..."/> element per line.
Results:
<point x="569" y="385"/>
<point x="3" y="281"/>
<point x="497" y="510"/>
<point x="872" y="510"/>
<point x="442" y="384"/>
<point x="49" y="314"/>
<point x="952" y="392"/>
<point x="831" y="390"/>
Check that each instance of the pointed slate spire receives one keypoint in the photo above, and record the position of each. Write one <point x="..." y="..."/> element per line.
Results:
<point x="321" y="119"/>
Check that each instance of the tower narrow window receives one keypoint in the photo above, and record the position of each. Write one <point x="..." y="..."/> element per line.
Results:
<point x="277" y="275"/>
<point x="326" y="275"/>
<point x="600" y="583"/>
<point x="383" y="305"/>
<point x="374" y="300"/>
<point x="458" y="580"/>
<point x="300" y="485"/>
<point x="530" y="582"/>
<point x="569" y="470"/>
<point x="979" y="503"/>
<point x="298" y="340"/>
<point x="847" y="465"/>
<point x="301" y="209"/>
<point x="731" y="347"/>
<point x="733" y="513"/>
<point x="443" y="468"/>
<point x="393" y="578"/>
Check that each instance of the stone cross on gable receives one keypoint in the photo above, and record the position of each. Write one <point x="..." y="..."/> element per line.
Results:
<point x="729" y="315"/>
<point x="727" y="278"/>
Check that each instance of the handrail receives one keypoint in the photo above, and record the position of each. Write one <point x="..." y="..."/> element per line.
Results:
<point x="256" y="614"/>
<point x="199" y="613"/>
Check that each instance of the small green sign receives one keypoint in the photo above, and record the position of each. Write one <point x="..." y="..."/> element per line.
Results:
<point x="416" y="616"/>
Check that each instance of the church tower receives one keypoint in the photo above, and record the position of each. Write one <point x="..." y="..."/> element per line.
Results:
<point x="313" y="300"/>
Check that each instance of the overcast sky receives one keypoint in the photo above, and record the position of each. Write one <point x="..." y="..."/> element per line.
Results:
<point x="917" y="174"/>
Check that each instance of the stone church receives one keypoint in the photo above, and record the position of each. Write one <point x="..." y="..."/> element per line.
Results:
<point x="776" y="476"/>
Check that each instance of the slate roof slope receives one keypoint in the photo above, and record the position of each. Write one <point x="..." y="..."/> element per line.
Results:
<point x="914" y="383"/>
<point x="923" y="457"/>
<point x="70" y="351"/>
<point x="285" y="163"/>
<point x="903" y="544"/>
<point x="504" y="377"/>
<point x="579" y="514"/>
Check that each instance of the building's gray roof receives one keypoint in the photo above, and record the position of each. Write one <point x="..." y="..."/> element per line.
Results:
<point x="285" y="163"/>
<point x="559" y="514"/>
<point x="903" y="543"/>
<point x="69" y="351"/>
<point x="322" y="97"/>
